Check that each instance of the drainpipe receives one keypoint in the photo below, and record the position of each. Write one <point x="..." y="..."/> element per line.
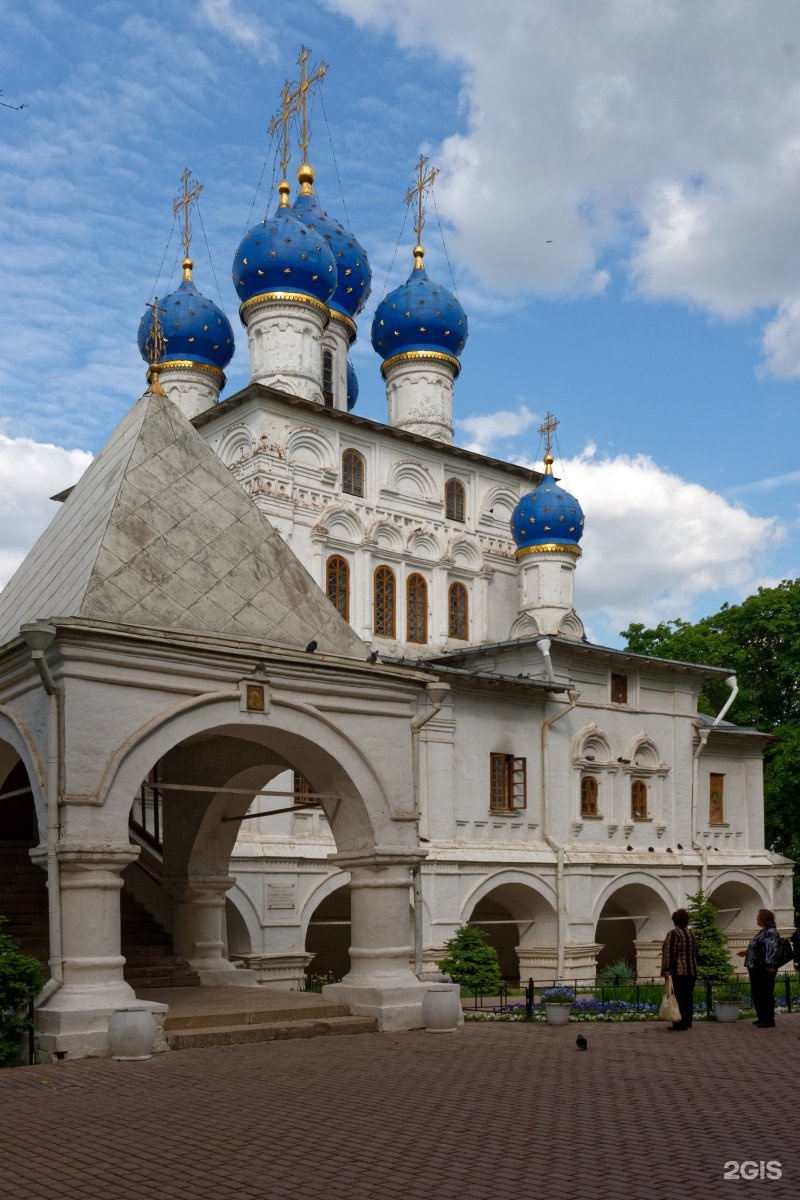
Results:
<point x="561" y="908"/>
<point x="437" y="693"/>
<point x="38" y="637"/>
<point x="704" y="735"/>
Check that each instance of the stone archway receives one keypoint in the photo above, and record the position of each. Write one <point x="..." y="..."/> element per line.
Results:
<point x="631" y="920"/>
<point x="519" y="922"/>
<point x="738" y="900"/>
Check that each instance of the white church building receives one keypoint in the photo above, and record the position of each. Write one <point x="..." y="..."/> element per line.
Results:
<point x="307" y="691"/>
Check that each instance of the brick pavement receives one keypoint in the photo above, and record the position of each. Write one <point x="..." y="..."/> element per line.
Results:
<point x="494" y="1112"/>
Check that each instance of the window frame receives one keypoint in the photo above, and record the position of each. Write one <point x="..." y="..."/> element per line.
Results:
<point x="620" y="688"/>
<point x="639" y="786"/>
<point x="327" y="378"/>
<point x="508" y="783"/>
<point x="383" y="575"/>
<point x="338" y="562"/>
<point x="462" y="616"/>
<point x="417" y="609"/>
<point x="590" y="808"/>
<point x="354" y="473"/>
<point x="455" y="498"/>
<point x="718" y="819"/>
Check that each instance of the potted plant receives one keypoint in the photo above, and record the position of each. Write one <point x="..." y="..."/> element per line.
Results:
<point x="727" y="1002"/>
<point x="557" y="1002"/>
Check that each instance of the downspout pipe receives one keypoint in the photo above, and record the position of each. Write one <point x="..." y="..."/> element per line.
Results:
<point x="704" y="733"/>
<point x="547" y="724"/>
<point x="437" y="694"/>
<point x="38" y="638"/>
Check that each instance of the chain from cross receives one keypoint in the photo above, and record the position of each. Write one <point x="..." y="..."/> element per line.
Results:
<point x="155" y="345"/>
<point x="184" y="201"/>
<point x="547" y="429"/>
<point x="424" y="183"/>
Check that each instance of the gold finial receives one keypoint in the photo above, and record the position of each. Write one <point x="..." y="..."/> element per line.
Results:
<point x="300" y="100"/>
<point x="547" y="429"/>
<point x="184" y="201"/>
<point x="424" y="182"/>
<point x="155" y="345"/>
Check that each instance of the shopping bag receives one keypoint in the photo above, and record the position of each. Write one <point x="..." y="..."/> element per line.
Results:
<point x="669" y="1010"/>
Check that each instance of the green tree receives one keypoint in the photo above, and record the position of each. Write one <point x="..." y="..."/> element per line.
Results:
<point x="472" y="962"/>
<point x="21" y="977"/>
<point x="713" y="960"/>
<point x="758" y="641"/>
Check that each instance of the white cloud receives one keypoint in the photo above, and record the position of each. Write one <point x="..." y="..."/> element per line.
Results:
<point x="31" y="472"/>
<point x="242" y="28"/>
<point x="657" y="140"/>
<point x="780" y="343"/>
<point x="493" y="429"/>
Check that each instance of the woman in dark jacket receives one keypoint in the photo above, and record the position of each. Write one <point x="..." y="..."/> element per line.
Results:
<point x="759" y="958"/>
<point x="679" y="960"/>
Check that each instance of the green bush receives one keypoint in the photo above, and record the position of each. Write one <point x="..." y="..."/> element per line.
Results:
<point x="713" y="960"/>
<point x="620" y="971"/>
<point x="472" y="962"/>
<point x="21" y="977"/>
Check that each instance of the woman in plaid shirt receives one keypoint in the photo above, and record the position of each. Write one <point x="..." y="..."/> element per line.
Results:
<point x="679" y="960"/>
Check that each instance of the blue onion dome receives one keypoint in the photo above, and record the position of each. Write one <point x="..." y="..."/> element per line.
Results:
<point x="283" y="257"/>
<point x="195" y="330"/>
<point x="352" y="386"/>
<point x="548" y="518"/>
<point x="354" y="277"/>
<point x="420" y="318"/>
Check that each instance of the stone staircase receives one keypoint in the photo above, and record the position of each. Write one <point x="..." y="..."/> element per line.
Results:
<point x="146" y="946"/>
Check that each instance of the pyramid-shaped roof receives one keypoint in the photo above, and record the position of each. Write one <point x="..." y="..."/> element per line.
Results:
<point x="157" y="532"/>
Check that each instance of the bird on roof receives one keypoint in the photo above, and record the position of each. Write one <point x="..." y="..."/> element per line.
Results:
<point x="581" y="1042"/>
<point x="374" y="656"/>
<point x="311" y="647"/>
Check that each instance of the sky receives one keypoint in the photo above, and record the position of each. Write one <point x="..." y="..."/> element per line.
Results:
<point x="617" y="210"/>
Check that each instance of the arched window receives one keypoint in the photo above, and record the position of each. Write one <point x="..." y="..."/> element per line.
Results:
<point x="384" y="621"/>
<point x="454" y="500"/>
<point x="638" y="799"/>
<point x="457" y="612"/>
<point x="337" y="584"/>
<point x="352" y="473"/>
<point x="416" y="609"/>
<point x="327" y="378"/>
<point x="588" y="796"/>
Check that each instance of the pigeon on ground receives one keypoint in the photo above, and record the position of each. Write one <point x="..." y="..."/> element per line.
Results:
<point x="581" y="1042"/>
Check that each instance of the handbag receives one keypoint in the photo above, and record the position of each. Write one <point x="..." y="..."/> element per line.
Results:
<point x="669" y="1010"/>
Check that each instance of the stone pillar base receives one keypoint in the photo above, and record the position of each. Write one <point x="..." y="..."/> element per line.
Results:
<point x="394" y="1006"/>
<point x="284" y="971"/>
<point x="224" y="975"/>
<point x="69" y="1032"/>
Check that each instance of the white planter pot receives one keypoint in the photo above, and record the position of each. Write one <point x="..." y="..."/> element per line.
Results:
<point x="441" y="1008"/>
<point x="557" y="1014"/>
<point x="727" y="1011"/>
<point x="131" y="1034"/>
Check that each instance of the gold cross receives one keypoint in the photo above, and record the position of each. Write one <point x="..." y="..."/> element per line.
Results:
<point x="282" y="118"/>
<point x="184" y="201"/>
<point x="424" y="182"/>
<point x="155" y="346"/>
<point x="547" y="429"/>
<point x="299" y="98"/>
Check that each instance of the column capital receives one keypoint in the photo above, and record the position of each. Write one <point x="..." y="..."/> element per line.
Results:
<point x="376" y="858"/>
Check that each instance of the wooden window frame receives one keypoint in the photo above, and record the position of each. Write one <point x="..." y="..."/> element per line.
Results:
<point x="458" y="612"/>
<point x="354" y="473"/>
<point x="716" y="797"/>
<point x="590" y="804"/>
<point x="508" y="783"/>
<point x="417" y="609"/>
<point x="337" y="584"/>
<point x="620" y="688"/>
<point x="384" y="620"/>
<point x="639" y="811"/>
<point x="455" y="501"/>
<point x="301" y="788"/>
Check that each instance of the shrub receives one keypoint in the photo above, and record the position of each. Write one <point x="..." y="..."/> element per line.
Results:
<point x="472" y="962"/>
<point x="620" y="971"/>
<point x="713" y="961"/>
<point x="21" y="977"/>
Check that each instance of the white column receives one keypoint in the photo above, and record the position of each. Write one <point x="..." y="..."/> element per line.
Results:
<point x="547" y="586"/>
<point x="199" y="928"/>
<point x="192" y="386"/>
<point x="284" y="336"/>
<point x="380" y="982"/>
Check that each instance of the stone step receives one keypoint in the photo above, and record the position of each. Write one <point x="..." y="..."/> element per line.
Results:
<point x="257" y="1016"/>
<point x="280" y="1030"/>
<point x="152" y="979"/>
